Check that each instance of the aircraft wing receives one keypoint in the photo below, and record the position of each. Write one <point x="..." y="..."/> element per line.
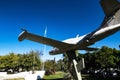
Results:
<point x="43" y="40"/>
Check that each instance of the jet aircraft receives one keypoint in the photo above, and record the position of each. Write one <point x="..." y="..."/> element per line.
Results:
<point x="109" y="26"/>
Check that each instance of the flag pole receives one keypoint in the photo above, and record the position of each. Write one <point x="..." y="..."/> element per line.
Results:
<point x="44" y="51"/>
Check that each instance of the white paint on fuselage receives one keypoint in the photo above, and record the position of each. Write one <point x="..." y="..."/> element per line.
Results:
<point x="74" y="40"/>
<point x="103" y="30"/>
<point x="78" y="39"/>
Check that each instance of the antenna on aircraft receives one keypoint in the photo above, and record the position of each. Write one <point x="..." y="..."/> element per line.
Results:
<point x="77" y="35"/>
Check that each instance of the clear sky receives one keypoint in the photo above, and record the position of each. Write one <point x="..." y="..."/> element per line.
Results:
<point x="63" y="18"/>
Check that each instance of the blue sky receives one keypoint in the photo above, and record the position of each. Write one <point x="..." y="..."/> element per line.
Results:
<point x="63" y="18"/>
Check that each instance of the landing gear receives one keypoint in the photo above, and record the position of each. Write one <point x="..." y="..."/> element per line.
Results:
<point x="72" y="65"/>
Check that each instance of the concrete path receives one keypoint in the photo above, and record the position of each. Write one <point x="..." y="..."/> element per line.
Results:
<point x="24" y="75"/>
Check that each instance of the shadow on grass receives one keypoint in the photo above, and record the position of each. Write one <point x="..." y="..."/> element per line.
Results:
<point x="88" y="77"/>
<point x="94" y="77"/>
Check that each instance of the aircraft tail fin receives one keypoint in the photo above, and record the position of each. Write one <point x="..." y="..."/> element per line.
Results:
<point x="109" y="6"/>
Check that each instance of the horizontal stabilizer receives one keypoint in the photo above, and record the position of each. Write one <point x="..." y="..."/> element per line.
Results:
<point x="90" y="49"/>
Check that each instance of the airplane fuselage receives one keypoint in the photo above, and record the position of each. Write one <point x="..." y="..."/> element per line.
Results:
<point x="108" y="27"/>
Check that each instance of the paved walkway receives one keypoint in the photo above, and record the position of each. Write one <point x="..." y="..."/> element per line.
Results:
<point x="25" y="75"/>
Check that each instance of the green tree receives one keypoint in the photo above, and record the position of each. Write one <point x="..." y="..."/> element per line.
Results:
<point x="60" y="65"/>
<point x="13" y="61"/>
<point x="9" y="61"/>
<point x="89" y="60"/>
<point x="30" y="60"/>
<point x="50" y="65"/>
<point x="105" y="57"/>
<point x="25" y="61"/>
<point x="116" y="53"/>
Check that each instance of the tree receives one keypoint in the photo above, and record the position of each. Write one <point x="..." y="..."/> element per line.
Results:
<point x="60" y="65"/>
<point x="25" y="61"/>
<point x="30" y="60"/>
<point x="50" y="64"/>
<point x="89" y="60"/>
<point x="9" y="61"/>
<point x="105" y="57"/>
<point x="13" y="61"/>
<point x="116" y="53"/>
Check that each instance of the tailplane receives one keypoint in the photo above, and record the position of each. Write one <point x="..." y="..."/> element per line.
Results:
<point x="110" y="6"/>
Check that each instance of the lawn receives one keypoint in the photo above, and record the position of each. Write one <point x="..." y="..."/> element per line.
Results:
<point x="57" y="75"/>
<point x="60" y="74"/>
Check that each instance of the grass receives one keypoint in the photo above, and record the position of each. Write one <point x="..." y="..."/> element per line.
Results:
<point x="58" y="74"/>
<point x="85" y="76"/>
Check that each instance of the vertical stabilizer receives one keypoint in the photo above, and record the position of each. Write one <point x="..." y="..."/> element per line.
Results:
<point x="110" y="6"/>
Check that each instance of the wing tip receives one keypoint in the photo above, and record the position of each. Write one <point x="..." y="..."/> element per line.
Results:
<point x="22" y="35"/>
